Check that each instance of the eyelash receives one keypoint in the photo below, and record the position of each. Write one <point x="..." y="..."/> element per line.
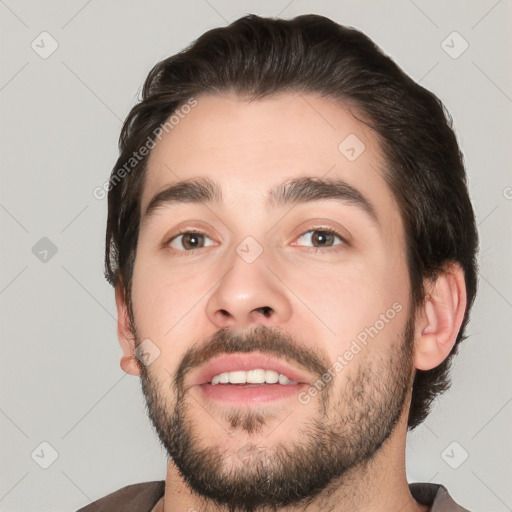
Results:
<point x="322" y="229"/>
<point x="185" y="231"/>
<point x="304" y="248"/>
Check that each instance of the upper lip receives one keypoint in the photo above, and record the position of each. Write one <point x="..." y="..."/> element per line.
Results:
<point x="246" y="362"/>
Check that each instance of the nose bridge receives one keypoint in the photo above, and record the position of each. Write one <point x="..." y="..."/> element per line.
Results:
<point x="248" y="292"/>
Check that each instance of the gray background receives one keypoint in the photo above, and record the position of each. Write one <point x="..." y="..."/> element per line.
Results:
<point x="60" y="377"/>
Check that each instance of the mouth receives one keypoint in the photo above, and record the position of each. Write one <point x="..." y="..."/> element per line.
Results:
<point x="249" y="378"/>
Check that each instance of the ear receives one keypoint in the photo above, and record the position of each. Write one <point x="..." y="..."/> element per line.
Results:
<point x="125" y="334"/>
<point x="439" y="319"/>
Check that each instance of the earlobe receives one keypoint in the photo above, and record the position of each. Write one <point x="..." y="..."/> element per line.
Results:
<point x="125" y="335"/>
<point x="439" y="320"/>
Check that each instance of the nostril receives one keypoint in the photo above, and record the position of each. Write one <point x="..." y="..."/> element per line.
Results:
<point x="265" y="310"/>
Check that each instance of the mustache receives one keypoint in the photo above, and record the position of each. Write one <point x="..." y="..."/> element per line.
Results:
<point x="267" y="340"/>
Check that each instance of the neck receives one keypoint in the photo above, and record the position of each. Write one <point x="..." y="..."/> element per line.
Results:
<point x="377" y="486"/>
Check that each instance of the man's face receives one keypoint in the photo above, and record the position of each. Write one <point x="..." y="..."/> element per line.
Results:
<point x="275" y="272"/>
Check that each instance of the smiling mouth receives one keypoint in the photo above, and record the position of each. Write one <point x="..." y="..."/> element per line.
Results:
<point x="245" y="379"/>
<point x="255" y="377"/>
<point x="250" y="387"/>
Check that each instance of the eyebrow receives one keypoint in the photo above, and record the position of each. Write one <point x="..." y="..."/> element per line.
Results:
<point x="198" y="190"/>
<point x="295" y="191"/>
<point x="309" y="189"/>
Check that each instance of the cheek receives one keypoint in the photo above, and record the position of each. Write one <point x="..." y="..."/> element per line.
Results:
<point x="350" y="297"/>
<point x="166" y="305"/>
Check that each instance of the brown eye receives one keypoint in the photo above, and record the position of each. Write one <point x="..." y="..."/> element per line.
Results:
<point x="190" y="240"/>
<point x="320" y="238"/>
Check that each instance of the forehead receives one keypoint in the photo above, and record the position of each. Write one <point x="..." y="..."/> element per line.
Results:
<point x="249" y="147"/>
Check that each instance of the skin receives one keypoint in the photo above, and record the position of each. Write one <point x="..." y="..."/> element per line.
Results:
<point x="322" y="297"/>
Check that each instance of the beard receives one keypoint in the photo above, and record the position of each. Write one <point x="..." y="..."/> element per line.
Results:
<point x="344" y="435"/>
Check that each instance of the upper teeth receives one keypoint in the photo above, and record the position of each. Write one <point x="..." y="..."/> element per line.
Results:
<point x="257" y="376"/>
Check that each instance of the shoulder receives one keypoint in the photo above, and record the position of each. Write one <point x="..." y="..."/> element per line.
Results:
<point x="436" y="496"/>
<point x="136" y="497"/>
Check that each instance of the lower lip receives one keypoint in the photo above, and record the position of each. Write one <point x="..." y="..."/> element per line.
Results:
<point x="250" y="393"/>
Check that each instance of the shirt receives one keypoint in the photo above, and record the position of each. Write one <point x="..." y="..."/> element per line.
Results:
<point x="144" y="496"/>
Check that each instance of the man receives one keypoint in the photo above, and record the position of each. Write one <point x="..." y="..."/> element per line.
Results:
<point x="292" y="247"/>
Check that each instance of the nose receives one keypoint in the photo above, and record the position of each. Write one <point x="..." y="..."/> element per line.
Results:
<point x="248" y="294"/>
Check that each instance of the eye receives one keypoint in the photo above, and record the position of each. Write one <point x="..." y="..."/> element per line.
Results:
<point x="190" y="240"/>
<point x="319" y="238"/>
